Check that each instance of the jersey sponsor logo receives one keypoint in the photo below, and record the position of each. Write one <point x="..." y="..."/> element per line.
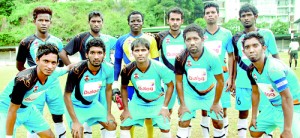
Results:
<point x="91" y="88"/>
<point x="215" y="46"/>
<point x="33" y="96"/>
<point x="146" y="86"/>
<point x="173" y="50"/>
<point x="197" y="75"/>
<point x="268" y="90"/>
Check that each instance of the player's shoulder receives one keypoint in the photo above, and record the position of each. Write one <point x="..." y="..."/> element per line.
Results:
<point x="107" y="65"/>
<point x="82" y="34"/>
<point x="27" y="40"/>
<point x="182" y="55"/>
<point x="224" y="30"/>
<point x="129" y="68"/>
<point x="79" y="67"/>
<point x="27" y="77"/>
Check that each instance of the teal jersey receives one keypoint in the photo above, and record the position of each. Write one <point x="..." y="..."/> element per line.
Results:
<point x="109" y="42"/>
<point x="171" y="47"/>
<point x="26" y="88"/>
<point x="147" y="84"/>
<point x="220" y="43"/>
<point x="29" y="46"/>
<point x="242" y="80"/>
<point x="85" y="85"/>
<point x="275" y="78"/>
<point x="79" y="42"/>
<point x="200" y="73"/>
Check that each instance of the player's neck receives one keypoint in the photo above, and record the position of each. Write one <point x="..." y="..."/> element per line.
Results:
<point x="174" y="33"/>
<point x="143" y="66"/>
<point x="93" y="69"/>
<point x="95" y="34"/>
<point x="212" y="28"/>
<point x="250" y="29"/>
<point x="196" y="56"/>
<point x="42" y="36"/>
<point x="41" y="76"/>
<point x="259" y="65"/>
<point x="135" y="33"/>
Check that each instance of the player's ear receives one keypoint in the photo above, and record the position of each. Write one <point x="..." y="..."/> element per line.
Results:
<point x="86" y="55"/>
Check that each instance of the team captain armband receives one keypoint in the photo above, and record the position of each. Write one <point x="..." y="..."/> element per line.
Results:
<point x="281" y="84"/>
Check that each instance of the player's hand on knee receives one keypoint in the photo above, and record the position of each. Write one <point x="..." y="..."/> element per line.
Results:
<point x="217" y="109"/>
<point x="286" y="134"/>
<point x="125" y="114"/>
<point x="165" y="113"/>
<point x="253" y="123"/>
<point x="182" y="109"/>
<point x="77" y="130"/>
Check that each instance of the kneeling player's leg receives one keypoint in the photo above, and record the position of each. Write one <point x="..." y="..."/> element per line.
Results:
<point x="87" y="131"/>
<point x="125" y="131"/>
<point x="110" y="127"/>
<point x="183" y="129"/>
<point x="165" y="133"/>
<point x="205" y="123"/>
<point x="46" y="134"/>
<point x="219" y="130"/>
<point x="149" y="126"/>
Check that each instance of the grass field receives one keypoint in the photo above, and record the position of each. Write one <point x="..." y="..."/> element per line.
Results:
<point x="8" y="72"/>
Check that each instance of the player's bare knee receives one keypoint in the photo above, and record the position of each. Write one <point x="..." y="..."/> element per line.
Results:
<point x="125" y="127"/>
<point x="184" y="124"/>
<point x="243" y="114"/>
<point x="256" y="134"/>
<point x="164" y="131"/>
<point x="218" y="124"/>
<point x="204" y="113"/>
<point x="111" y="126"/>
<point x="46" y="134"/>
<point x="57" y="118"/>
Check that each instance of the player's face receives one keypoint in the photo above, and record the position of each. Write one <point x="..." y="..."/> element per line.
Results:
<point x="96" y="24"/>
<point x="135" y="23"/>
<point x="193" y="42"/>
<point x="253" y="49"/>
<point x="175" y="21"/>
<point x="211" y="15"/>
<point x="95" y="56"/>
<point x="248" y="19"/>
<point x="47" y="63"/>
<point x="140" y="53"/>
<point x="42" y="23"/>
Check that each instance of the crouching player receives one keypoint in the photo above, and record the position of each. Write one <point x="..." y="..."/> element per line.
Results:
<point x="148" y="101"/>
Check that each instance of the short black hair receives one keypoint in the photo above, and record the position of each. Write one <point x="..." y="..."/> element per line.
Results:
<point x="95" y="13"/>
<point x="193" y="28"/>
<point x="175" y="10"/>
<point x="41" y="10"/>
<point x="141" y="41"/>
<point x="211" y="4"/>
<point x="95" y="42"/>
<point x="133" y="13"/>
<point x="248" y="8"/>
<point x="47" y="48"/>
<point x="254" y="34"/>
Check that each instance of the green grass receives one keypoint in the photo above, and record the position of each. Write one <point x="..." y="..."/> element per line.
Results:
<point x="7" y="73"/>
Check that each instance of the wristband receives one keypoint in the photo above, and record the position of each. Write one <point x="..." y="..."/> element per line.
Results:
<point x="164" y="107"/>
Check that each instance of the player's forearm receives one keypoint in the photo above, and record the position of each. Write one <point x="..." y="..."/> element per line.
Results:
<point x="69" y="106"/>
<point x="108" y="97"/>
<point x="255" y="100"/>
<point x="64" y="57"/>
<point x="287" y="107"/>
<point x="10" y="122"/>
<point x="219" y="89"/>
<point x="124" y="95"/>
<point x="230" y="67"/>
<point x="180" y="94"/>
<point x="169" y="93"/>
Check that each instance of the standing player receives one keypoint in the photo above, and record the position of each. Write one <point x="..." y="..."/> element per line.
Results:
<point x="27" y="51"/>
<point x="279" y="83"/>
<point x="293" y="52"/>
<point x="84" y="82"/>
<point x="248" y="15"/>
<point x="123" y="51"/>
<point x="78" y="44"/>
<point x="171" y="43"/>
<point x="18" y="100"/>
<point x="196" y="70"/>
<point x="146" y="77"/>
<point x="219" y="40"/>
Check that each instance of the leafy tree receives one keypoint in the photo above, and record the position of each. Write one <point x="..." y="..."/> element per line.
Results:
<point x="6" y="7"/>
<point x="263" y="25"/>
<point x="233" y="25"/>
<point x="279" y="27"/>
<point x="201" y="22"/>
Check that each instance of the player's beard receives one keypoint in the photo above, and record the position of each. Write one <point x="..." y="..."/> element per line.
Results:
<point x="95" y="65"/>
